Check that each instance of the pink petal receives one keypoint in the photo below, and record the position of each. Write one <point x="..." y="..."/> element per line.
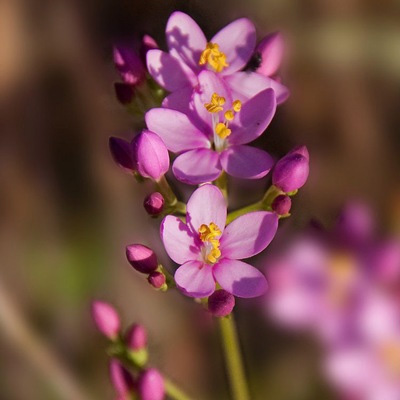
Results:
<point x="197" y="166"/>
<point x="168" y="71"/>
<point x="247" y="84"/>
<point x="195" y="279"/>
<point x="249" y="234"/>
<point x="271" y="49"/>
<point x="239" y="278"/>
<point x="180" y="242"/>
<point x="185" y="39"/>
<point x="207" y="204"/>
<point x="237" y="40"/>
<point x="246" y="162"/>
<point x="254" y="117"/>
<point x="175" y="129"/>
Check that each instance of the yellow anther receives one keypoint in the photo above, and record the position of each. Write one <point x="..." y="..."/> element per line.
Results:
<point x="214" y="57"/>
<point x="237" y="105"/>
<point x="209" y="234"/>
<point x="213" y="255"/>
<point x="229" y="115"/>
<point x="222" y="131"/>
<point x="216" y="103"/>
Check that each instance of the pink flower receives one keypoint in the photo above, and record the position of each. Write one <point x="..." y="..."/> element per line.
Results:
<point x="212" y="130"/>
<point x="106" y="319"/>
<point x="226" y="53"/>
<point x="208" y="252"/>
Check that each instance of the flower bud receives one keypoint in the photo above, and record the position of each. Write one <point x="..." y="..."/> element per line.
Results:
<point x="136" y="337"/>
<point x="124" y="92"/>
<point x="122" y="153"/>
<point x="106" y="319"/>
<point x="271" y="50"/>
<point x="151" y="155"/>
<point x="291" y="172"/>
<point x="302" y="150"/>
<point x="151" y="385"/>
<point x="157" y="279"/>
<point x="129" y="65"/>
<point x="221" y="303"/>
<point x="142" y="258"/>
<point x="121" y="379"/>
<point x="154" y="203"/>
<point x="148" y="43"/>
<point x="282" y="204"/>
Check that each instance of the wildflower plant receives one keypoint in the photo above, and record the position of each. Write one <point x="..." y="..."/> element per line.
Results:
<point x="223" y="94"/>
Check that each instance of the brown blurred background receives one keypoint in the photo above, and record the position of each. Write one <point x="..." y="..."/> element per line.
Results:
<point x="67" y="211"/>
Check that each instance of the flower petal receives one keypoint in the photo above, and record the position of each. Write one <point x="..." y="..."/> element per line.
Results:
<point x="246" y="162"/>
<point x="271" y="49"/>
<point x="207" y="204"/>
<point x="175" y="129"/>
<point x="168" y="71"/>
<point x="254" y="117"/>
<point x="249" y="234"/>
<point x="195" y="279"/>
<point x="239" y="278"/>
<point x="180" y="242"/>
<point x="197" y="166"/>
<point x="247" y="84"/>
<point x="237" y="40"/>
<point x="185" y="39"/>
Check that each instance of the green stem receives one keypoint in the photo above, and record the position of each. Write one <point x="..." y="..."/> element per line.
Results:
<point x="167" y="192"/>
<point x="233" y="359"/>
<point x="222" y="183"/>
<point x="173" y="391"/>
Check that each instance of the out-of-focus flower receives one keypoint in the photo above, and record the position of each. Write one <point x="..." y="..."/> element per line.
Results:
<point x="151" y="385"/>
<point x="282" y="204"/>
<point x="122" y="153"/>
<point x="208" y="252"/>
<point x="157" y="279"/>
<point x="221" y="303"/>
<point x="154" y="203"/>
<point x="106" y="319"/>
<point x="142" y="258"/>
<point x="212" y="136"/>
<point x="129" y="65"/>
<point x="121" y="379"/>
<point x="151" y="155"/>
<point x="136" y="337"/>
<point x="124" y="92"/>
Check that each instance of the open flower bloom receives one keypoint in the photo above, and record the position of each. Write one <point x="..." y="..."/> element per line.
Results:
<point x="208" y="252"/>
<point x="226" y="53"/>
<point x="211" y="132"/>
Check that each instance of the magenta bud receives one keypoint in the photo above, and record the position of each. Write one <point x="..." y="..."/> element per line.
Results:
<point x="154" y="203"/>
<point x="271" y="50"/>
<point x="121" y="378"/>
<point x="221" y="303"/>
<point x="291" y="172"/>
<point x="151" y="155"/>
<point x="129" y="65"/>
<point x="156" y="279"/>
<point x="282" y="204"/>
<point x="106" y="319"/>
<point x="124" y="92"/>
<point x="151" y="385"/>
<point x="122" y="153"/>
<point x="142" y="258"/>
<point x="302" y="150"/>
<point x="136" y="337"/>
<point x="148" y="43"/>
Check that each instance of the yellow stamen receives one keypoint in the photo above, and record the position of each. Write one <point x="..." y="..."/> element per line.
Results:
<point x="222" y="131"/>
<point x="214" y="57"/>
<point x="237" y="105"/>
<point x="229" y="115"/>
<point x="216" y="103"/>
<point x="209" y="234"/>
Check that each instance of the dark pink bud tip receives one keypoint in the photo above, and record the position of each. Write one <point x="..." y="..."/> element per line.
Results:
<point x="121" y="379"/>
<point x="156" y="279"/>
<point x="151" y="385"/>
<point x="302" y="150"/>
<point x="148" y="43"/>
<point x="136" y="337"/>
<point x="221" y="303"/>
<point x="142" y="258"/>
<point x="122" y="153"/>
<point x="105" y="318"/>
<point x="282" y="204"/>
<point x="154" y="203"/>
<point x="124" y="92"/>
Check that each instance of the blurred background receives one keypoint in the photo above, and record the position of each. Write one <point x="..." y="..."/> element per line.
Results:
<point x="67" y="211"/>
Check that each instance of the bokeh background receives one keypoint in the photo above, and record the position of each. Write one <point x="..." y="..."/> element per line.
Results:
<point x="67" y="211"/>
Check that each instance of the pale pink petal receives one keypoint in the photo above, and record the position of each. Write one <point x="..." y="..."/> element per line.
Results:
<point x="239" y="278"/>
<point x="271" y="49"/>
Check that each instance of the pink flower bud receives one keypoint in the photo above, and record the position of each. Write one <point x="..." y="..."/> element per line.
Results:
<point x="121" y="379"/>
<point x="156" y="279"/>
<point x="291" y="172"/>
<point x="124" y="92"/>
<point x="302" y="150"/>
<point x="151" y="155"/>
<point x="148" y="43"/>
<point x="136" y="337"/>
<point x="129" y="65"/>
<point x="282" y="204"/>
<point x="122" y="153"/>
<point x="271" y="50"/>
<point x="154" y="203"/>
<point x="151" y="385"/>
<point x="105" y="318"/>
<point x="221" y="303"/>
<point x="142" y="258"/>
